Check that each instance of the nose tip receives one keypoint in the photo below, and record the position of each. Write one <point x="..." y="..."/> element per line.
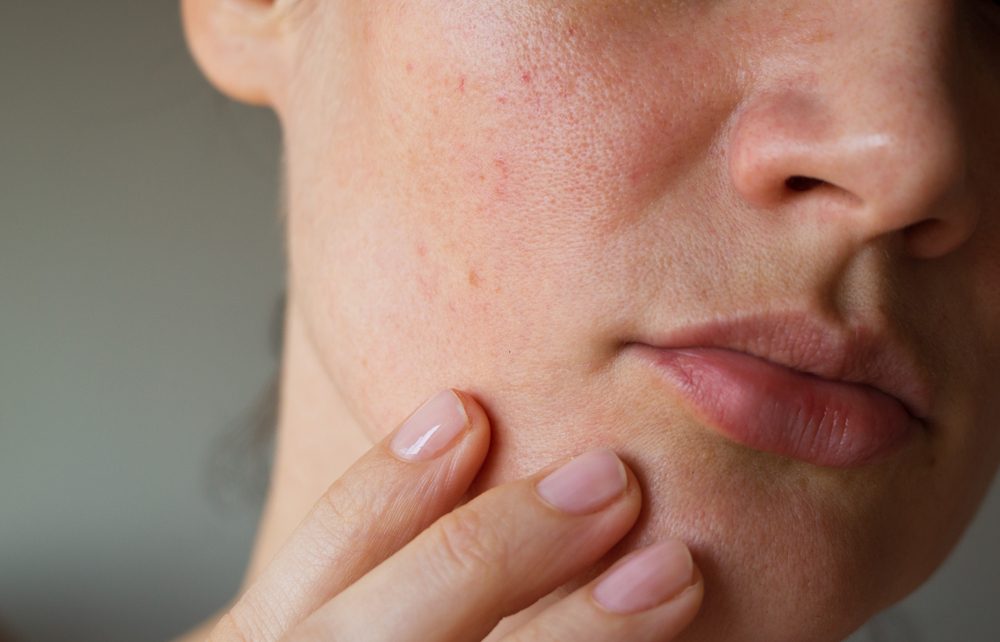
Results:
<point x="880" y="167"/>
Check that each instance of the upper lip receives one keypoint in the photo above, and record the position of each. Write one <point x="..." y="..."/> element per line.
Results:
<point x="860" y="354"/>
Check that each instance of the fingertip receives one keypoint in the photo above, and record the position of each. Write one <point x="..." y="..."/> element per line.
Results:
<point x="478" y="420"/>
<point x="630" y="502"/>
<point x="433" y="429"/>
<point x="659" y="574"/>
<point x="695" y="593"/>
<point x="634" y="489"/>
<point x="477" y="439"/>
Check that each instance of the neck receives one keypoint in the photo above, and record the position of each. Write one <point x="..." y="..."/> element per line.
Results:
<point x="317" y="441"/>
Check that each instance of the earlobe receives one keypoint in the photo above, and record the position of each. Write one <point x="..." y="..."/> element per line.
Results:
<point x="240" y="45"/>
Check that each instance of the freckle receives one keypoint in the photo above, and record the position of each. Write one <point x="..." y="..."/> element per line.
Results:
<point x="473" y="279"/>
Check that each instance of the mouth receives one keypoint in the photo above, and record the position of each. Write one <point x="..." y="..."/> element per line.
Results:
<point x="736" y="378"/>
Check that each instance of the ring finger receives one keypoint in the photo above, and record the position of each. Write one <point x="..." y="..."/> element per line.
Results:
<point x="651" y="594"/>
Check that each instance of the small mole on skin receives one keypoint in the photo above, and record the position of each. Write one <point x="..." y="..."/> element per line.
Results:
<point x="473" y="279"/>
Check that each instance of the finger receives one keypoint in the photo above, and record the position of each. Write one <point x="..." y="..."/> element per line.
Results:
<point x="384" y="500"/>
<point x="651" y="594"/>
<point x="490" y="558"/>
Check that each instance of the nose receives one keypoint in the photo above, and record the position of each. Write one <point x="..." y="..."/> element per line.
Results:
<point x="864" y="135"/>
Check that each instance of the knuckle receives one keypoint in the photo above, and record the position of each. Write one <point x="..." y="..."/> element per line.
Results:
<point x="470" y="545"/>
<point x="339" y="510"/>
<point x="345" y="515"/>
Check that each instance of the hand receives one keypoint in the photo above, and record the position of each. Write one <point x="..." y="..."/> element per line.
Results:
<point x="385" y="555"/>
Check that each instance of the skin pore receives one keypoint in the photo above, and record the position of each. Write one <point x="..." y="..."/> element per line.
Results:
<point x="500" y="196"/>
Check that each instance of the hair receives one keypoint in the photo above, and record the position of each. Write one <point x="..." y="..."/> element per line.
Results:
<point x="240" y="459"/>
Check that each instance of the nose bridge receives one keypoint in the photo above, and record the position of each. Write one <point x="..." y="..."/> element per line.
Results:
<point x="864" y="110"/>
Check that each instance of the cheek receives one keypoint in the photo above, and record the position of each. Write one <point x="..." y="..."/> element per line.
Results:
<point x="521" y="153"/>
<point x="479" y="211"/>
<point x="507" y="114"/>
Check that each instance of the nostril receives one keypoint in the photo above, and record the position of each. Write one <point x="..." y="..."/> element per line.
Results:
<point x="802" y="183"/>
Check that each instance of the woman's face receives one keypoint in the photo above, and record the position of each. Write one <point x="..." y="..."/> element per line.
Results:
<point x="506" y="197"/>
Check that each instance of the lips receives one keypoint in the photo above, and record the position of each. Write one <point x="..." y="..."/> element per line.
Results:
<point x="791" y="386"/>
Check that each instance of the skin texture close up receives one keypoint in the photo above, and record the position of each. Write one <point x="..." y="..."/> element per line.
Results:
<point x="502" y="196"/>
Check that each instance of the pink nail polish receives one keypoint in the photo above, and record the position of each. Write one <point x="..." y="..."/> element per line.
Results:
<point x="586" y="483"/>
<point x="647" y="578"/>
<point x="432" y="428"/>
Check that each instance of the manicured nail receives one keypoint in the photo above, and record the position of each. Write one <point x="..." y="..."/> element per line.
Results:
<point x="432" y="428"/>
<point x="585" y="483"/>
<point x="647" y="578"/>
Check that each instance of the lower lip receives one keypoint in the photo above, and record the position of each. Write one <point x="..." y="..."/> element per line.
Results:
<point x="775" y="409"/>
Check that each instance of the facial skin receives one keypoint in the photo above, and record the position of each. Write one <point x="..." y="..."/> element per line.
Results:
<point x="498" y="196"/>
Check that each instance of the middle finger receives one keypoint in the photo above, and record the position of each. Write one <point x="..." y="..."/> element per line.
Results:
<point x="490" y="558"/>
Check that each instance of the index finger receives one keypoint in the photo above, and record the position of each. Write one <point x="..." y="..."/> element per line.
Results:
<point x="401" y="486"/>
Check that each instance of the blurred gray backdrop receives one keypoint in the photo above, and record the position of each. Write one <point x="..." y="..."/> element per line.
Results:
<point x="140" y="264"/>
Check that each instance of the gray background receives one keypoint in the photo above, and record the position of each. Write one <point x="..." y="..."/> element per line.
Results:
<point x="140" y="263"/>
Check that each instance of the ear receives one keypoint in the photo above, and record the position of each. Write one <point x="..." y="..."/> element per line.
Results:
<point x="241" y="46"/>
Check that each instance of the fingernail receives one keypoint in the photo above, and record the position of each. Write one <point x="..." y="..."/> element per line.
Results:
<point x="646" y="579"/>
<point x="585" y="483"/>
<point x="432" y="428"/>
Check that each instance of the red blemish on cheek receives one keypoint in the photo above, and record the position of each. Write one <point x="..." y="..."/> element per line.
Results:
<point x="409" y="67"/>
<point x="502" y="100"/>
<point x="526" y="77"/>
<point x="461" y="84"/>
<point x="501" y="165"/>
<point x="500" y="190"/>
<point x="421" y="250"/>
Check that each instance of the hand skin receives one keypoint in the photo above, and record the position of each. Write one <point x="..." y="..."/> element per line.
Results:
<point x="385" y="555"/>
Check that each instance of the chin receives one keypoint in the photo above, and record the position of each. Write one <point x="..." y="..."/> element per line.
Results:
<point x="790" y="552"/>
